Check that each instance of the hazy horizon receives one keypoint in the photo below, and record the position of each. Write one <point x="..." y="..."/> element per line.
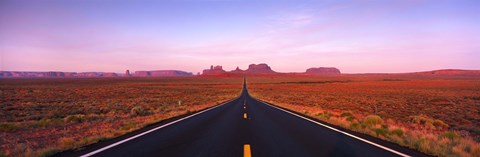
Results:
<point x="228" y="70"/>
<point x="289" y="36"/>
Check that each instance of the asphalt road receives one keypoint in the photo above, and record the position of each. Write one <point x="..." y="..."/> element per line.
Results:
<point x="242" y="127"/>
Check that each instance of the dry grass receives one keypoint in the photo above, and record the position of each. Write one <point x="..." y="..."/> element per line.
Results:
<point x="436" y="115"/>
<point x="39" y="117"/>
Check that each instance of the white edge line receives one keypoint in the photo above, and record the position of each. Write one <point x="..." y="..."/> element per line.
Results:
<point x="345" y="133"/>
<point x="151" y="130"/>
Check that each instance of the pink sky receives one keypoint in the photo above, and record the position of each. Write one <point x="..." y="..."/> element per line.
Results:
<point x="354" y="36"/>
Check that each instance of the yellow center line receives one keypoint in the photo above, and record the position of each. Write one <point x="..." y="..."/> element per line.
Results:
<point x="245" y="115"/>
<point x="246" y="150"/>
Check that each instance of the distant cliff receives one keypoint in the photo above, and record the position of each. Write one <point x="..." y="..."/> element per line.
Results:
<point x="214" y="70"/>
<point x="161" y="73"/>
<point x="237" y="70"/>
<point x="252" y="69"/>
<point x="54" y="74"/>
<point x="259" y="68"/>
<point x="57" y="74"/>
<point x="264" y="69"/>
<point x="449" y="72"/>
<point x="323" y="71"/>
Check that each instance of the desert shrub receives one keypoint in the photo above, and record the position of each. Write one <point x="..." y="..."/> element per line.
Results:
<point x="450" y="135"/>
<point x="19" y="148"/>
<point x="91" y="118"/>
<point x="350" y="119"/>
<point x="346" y="114"/>
<point x="424" y="145"/>
<point x="420" y="119"/>
<point x="416" y="143"/>
<point x="8" y="127"/>
<point x="428" y="122"/>
<point x="381" y="131"/>
<point x="373" y="120"/>
<point x="363" y="125"/>
<point x="349" y="116"/>
<point x="138" y="111"/>
<point x="399" y="132"/>
<point x="93" y="139"/>
<point x="354" y="126"/>
<point x="440" y="124"/>
<point x="476" y="132"/>
<point x="129" y="125"/>
<point x="475" y="151"/>
<point x="47" y="152"/>
<point x="47" y="122"/>
<point x="66" y="142"/>
<point x="324" y="115"/>
<point x="43" y="122"/>
<point x="78" y="118"/>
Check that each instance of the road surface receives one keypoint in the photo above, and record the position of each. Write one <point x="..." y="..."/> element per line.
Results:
<point x="244" y="127"/>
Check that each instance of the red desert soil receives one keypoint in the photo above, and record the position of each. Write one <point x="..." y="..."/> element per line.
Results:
<point x="417" y="111"/>
<point x="43" y="116"/>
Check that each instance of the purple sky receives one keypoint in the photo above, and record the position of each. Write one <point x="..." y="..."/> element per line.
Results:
<point x="291" y="36"/>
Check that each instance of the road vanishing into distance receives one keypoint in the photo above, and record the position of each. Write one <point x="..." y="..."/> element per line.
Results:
<point x="244" y="127"/>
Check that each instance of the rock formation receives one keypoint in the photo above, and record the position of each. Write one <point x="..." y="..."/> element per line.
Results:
<point x="70" y="74"/>
<point x="109" y="75"/>
<point x="218" y="71"/>
<point x="142" y="73"/>
<point x="260" y="68"/>
<point x="156" y="73"/>
<point x="53" y="74"/>
<point x="5" y="74"/>
<point x="214" y="70"/>
<point x="127" y="73"/>
<point x="323" y="71"/>
<point x="89" y="74"/>
<point x="237" y="70"/>
<point x="35" y="74"/>
<point x="161" y="73"/>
